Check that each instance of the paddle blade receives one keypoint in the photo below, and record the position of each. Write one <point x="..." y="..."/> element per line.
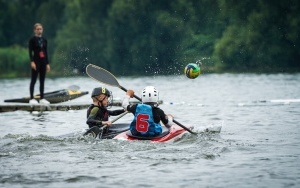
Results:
<point x="94" y="131"/>
<point x="101" y="75"/>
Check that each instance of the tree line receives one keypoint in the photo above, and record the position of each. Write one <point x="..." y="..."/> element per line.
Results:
<point x="138" y="37"/>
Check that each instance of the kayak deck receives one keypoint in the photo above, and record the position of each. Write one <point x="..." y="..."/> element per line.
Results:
<point x="175" y="133"/>
<point x="114" y="130"/>
<point x="121" y="132"/>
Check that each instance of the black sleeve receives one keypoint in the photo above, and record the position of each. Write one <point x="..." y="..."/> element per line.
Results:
<point x="46" y="50"/>
<point x="115" y="112"/>
<point x="162" y="116"/>
<point x="30" y="49"/>
<point x="91" y="119"/>
<point x="132" y="108"/>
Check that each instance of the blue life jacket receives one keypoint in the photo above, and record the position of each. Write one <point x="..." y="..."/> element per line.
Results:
<point x="143" y="123"/>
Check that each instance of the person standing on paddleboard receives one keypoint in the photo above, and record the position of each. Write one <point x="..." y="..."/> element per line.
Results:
<point x="97" y="113"/>
<point x="147" y="116"/>
<point x="39" y="62"/>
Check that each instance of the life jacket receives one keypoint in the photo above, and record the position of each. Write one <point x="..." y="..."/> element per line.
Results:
<point x="102" y="112"/>
<point x="143" y="123"/>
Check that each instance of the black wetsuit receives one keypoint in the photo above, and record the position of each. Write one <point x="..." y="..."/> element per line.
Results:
<point x="38" y="53"/>
<point x="97" y="114"/>
<point x="158" y="114"/>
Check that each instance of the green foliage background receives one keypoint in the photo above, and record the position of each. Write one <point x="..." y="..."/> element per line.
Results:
<point x="138" y="37"/>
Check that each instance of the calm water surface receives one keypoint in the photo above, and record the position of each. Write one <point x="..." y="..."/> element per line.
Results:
<point x="258" y="145"/>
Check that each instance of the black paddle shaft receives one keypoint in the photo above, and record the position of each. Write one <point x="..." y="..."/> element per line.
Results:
<point x="124" y="89"/>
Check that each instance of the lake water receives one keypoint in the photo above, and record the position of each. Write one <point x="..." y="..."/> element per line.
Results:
<point x="258" y="146"/>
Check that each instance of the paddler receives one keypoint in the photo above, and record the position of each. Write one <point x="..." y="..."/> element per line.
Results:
<point x="97" y="113"/>
<point x="147" y="116"/>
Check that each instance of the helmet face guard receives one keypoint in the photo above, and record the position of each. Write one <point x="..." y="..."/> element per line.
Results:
<point x="110" y="101"/>
<point x="150" y="95"/>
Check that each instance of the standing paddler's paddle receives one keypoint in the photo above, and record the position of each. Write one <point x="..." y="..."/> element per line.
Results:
<point x="101" y="75"/>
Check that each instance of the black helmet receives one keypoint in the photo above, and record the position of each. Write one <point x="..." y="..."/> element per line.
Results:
<point x="100" y="90"/>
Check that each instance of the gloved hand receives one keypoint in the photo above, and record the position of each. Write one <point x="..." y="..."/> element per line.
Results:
<point x="107" y="123"/>
<point x="130" y="93"/>
<point x="170" y="118"/>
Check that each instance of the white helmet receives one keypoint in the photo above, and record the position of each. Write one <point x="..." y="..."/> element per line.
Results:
<point x="150" y="94"/>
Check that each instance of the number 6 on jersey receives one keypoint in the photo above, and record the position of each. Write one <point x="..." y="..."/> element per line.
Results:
<point x="142" y="123"/>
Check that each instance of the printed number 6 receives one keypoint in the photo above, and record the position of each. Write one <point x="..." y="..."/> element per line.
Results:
<point x="142" y="123"/>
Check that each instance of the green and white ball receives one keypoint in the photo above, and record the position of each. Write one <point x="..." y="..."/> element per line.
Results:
<point x="192" y="70"/>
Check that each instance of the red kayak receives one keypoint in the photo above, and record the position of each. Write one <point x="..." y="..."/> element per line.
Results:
<point x="168" y="135"/>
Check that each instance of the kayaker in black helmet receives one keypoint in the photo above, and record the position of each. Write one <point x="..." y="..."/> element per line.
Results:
<point x="97" y="113"/>
<point x="147" y="116"/>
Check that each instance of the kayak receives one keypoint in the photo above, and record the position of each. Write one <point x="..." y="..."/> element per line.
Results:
<point x="168" y="135"/>
<point x="53" y="97"/>
<point x="121" y="132"/>
<point x="113" y="131"/>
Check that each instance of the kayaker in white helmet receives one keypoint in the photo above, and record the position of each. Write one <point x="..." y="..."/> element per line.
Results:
<point x="147" y="116"/>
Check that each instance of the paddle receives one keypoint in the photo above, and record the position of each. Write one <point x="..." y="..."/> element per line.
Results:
<point x="123" y="114"/>
<point x="96" y="130"/>
<point x="101" y="75"/>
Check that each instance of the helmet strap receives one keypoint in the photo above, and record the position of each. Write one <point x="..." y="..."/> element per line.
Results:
<point x="100" y="101"/>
